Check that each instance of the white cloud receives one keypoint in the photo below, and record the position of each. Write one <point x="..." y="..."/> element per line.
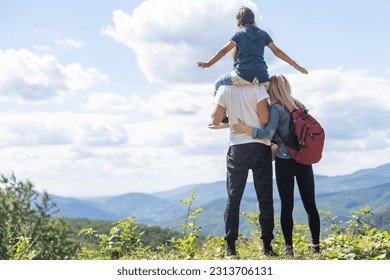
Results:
<point x="352" y="104"/>
<point x="107" y="101"/>
<point x="169" y="36"/>
<point x="175" y="103"/>
<point x="354" y="109"/>
<point x="25" y="76"/>
<point x="41" y="47"/>
<point x="79" y="78"/>
<point x="68" y="42"/>
<point x="62" y="128"/>
<point x="77" y="149"/>
<point x="164" y="142"/>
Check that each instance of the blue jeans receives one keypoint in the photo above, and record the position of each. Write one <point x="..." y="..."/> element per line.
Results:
<point x="232" y="78"/>
<point x="240" y="159"/>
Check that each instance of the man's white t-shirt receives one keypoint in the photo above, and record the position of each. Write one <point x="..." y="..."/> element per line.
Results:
<point x="240" y="102"/>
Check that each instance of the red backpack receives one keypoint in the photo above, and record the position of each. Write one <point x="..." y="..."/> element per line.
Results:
<point x="306" y="139"/>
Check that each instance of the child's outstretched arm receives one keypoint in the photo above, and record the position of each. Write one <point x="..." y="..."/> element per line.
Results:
<point x="218" y="55"/>
<point x="280" y="54"/>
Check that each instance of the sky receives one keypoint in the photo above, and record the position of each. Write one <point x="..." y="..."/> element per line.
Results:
<point x="105" y="98"/>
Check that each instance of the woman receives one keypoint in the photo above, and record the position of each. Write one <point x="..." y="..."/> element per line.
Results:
<point x="286" y="169"/>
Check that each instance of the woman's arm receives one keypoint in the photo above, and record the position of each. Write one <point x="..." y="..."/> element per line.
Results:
<point x="264" y="133"/>
<point x="219" y="54"/>
<point x="281" y="54"/>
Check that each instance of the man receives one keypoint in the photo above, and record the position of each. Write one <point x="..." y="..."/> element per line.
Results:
<point x="248" y="103"/>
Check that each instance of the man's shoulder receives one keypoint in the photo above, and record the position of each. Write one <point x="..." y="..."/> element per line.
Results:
<point x="239" y="88"/>
<point x="247" y="91"/>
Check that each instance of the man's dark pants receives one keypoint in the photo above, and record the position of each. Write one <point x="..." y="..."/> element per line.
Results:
<point x="240" y="159"/>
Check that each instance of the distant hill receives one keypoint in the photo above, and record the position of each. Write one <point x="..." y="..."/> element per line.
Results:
<point x="338" y="194"/>
<point x="382" y="219"/>
<point x="365" y="178"/>
<point x="78" y="208"/>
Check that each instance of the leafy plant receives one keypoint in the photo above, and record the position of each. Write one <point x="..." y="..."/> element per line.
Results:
<point x="186" y="244"/>
<point x="122" y="240"/>
<point x="28" y="229"/>
<point x="356" y="240"/>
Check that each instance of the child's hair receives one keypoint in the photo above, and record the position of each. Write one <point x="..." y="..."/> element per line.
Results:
<point x="245" y="17"/>
<point x="279" y="90"/>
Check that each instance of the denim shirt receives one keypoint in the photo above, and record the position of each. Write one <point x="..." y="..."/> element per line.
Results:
<point x="279" y="120"/>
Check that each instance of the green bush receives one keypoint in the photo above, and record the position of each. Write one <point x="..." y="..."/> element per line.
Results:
<point x="28" y="230"/>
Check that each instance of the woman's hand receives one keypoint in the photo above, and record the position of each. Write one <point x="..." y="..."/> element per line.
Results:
<point x="241" y="127"/>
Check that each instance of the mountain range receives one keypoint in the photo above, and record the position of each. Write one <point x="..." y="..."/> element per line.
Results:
<point x="338" y="195"/>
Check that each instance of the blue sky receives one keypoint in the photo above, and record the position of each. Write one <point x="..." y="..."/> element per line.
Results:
<point x="104" y="97"/>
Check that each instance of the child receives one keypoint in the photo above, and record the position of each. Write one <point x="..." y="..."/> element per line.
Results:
<point x="248" y="43"/>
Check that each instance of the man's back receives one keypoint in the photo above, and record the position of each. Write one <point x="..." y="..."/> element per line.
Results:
<point x="244" y="154"/>
<point x="240" y="102"/>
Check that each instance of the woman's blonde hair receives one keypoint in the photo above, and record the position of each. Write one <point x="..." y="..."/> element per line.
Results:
<point x="279" y="90"/>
